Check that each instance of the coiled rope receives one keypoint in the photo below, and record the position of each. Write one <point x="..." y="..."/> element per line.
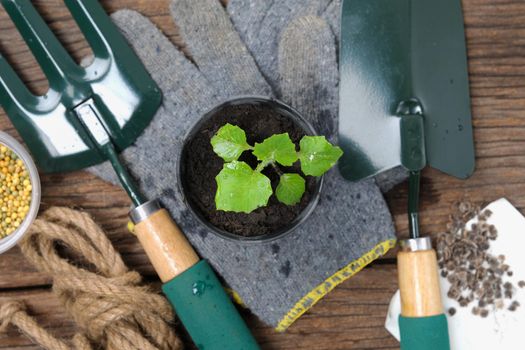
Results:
<point x="106" y="300"/>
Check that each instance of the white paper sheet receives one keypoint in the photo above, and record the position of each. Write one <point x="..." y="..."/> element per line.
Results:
<point x="502" y="329"/>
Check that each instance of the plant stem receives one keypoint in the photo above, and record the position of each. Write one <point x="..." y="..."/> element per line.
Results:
<point x="263" y="165"/>
<point x="277" y="169"/>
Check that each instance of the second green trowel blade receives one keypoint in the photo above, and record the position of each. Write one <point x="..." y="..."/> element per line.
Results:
<point x="392" y="51"/>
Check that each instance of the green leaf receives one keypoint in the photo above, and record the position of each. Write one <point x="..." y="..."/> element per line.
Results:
<point x="229" y="142"/>
<point x="317" y="155"/>
<point x="290" y="189"/>
<point x="241" y="189"/>
<point x="277" y="148"/>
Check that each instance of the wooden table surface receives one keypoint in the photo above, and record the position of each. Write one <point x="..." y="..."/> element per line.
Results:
<point x="352" y="316"/>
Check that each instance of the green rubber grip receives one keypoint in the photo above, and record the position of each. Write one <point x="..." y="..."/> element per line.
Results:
<point x="207" y="312"/>
<point x="424" y="333"/>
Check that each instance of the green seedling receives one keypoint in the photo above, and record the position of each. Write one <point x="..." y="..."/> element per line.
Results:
<point x="240" y="188"/>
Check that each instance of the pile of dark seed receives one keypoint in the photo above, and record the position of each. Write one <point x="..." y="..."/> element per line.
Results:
<point x="477" y="278"/>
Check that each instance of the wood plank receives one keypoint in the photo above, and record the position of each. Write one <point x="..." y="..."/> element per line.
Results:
<point x="351" y="317"/>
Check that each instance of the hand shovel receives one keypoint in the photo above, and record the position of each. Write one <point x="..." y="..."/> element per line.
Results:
<point x="404" y="101"/>
<point x="88" y="116"/>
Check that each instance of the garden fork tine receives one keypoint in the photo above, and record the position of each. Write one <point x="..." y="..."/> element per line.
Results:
<point x="102" y="36"/>
<point x="12" y="87"/>
<point x="54" y="60"/>
<point x="18" y="101"/>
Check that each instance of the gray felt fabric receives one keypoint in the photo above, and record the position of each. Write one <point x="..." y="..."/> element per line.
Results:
<point x="311" y="62"/>
<point x="349" y="220"/>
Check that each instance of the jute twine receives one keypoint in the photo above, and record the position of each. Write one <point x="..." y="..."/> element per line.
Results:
<point x="105" y="299"/>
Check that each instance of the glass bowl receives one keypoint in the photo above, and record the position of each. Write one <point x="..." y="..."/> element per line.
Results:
<point x="13" y="238"/>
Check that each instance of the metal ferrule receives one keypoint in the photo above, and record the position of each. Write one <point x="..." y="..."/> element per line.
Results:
<point x="416" y="244"/>
<point x="144" y="211"/>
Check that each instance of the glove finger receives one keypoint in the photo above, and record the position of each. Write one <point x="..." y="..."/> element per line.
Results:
<point x="217" y="48"/>
<point x="167" y="65"/>
<point x="308" y="72"/>
<point x="186" y="95"/>
<point x="262" y="29"/>
<point x="247" y="16"/>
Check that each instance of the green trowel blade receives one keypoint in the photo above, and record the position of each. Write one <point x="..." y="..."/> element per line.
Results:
<point x="116" y="83"/>
<point x="403" y="50"/>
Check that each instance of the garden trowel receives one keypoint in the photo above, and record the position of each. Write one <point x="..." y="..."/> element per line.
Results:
<point x="89" y="115"/>
<point x="404" y="101"/>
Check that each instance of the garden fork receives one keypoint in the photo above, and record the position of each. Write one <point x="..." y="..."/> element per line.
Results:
<point x="88" y="116"/>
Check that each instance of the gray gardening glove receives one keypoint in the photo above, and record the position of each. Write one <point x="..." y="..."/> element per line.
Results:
<point x="349" y="227"/>
<point x="261" y="24"/>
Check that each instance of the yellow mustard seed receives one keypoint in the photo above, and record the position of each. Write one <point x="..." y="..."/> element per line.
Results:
<point x="15" y="191"/>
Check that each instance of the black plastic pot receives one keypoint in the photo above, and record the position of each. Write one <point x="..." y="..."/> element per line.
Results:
<point x="284" y="110"/>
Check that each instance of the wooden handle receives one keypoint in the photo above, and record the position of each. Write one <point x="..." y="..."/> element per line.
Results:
<point x="167" y="248"/>
<point x="419" y="284"/>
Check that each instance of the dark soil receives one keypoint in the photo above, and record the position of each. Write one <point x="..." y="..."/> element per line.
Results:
<point x="200" y="165"/>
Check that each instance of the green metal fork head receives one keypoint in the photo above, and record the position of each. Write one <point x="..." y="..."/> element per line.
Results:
<point x="116" y="81"/>
<point x="404" y="92"/>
